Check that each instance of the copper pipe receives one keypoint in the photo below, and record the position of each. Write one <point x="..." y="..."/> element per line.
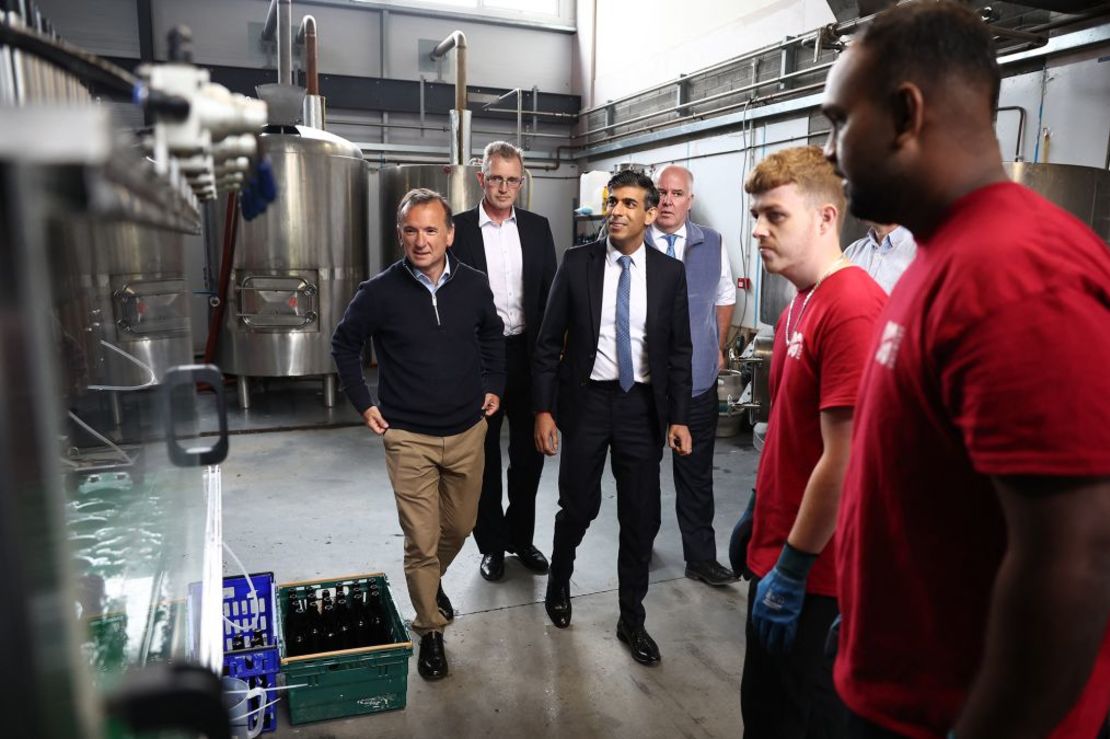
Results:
<point x="227" y="259"/>
<point x="307" y="34"/>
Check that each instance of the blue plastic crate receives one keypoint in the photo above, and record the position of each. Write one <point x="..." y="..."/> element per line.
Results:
<point x="249" y="614"/>
<point x="252" y="615"/>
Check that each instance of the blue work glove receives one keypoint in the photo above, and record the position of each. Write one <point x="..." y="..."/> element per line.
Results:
<point x="738" y="544"/>
<point x="267" y="185"/>
<point x="779" y="599"/>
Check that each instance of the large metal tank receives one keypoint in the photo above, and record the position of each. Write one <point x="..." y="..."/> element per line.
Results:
<point x="297" y="266"/>
<point x="458" y="183"/>
<point x="1082" y="191"/>
<point x="122" y="302"/>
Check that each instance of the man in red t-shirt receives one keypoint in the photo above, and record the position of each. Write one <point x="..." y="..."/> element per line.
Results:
<point x="819" y="352"/>
<point x="974" y="537"/>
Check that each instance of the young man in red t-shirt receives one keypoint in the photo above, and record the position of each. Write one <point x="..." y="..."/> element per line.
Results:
<point x="819" y="351"/>
<point x="974" y="536"/>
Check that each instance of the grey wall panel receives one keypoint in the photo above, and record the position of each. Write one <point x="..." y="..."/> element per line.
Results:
<point x="227" y="32"/>
<point x="497" y="56"/>
<point x="105" y="27"/>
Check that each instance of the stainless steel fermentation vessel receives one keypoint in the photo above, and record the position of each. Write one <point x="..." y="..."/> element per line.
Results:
<point x="122" y="301"/>
<point x="297" y="266"/>
<point x="1082" y="191"/>
<point x="457" y="183"/>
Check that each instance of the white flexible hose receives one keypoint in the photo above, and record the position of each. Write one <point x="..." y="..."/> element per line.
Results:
<point x="97" y="435"/>
<point x="254" y="596"/>
<point x="134" y="360"/>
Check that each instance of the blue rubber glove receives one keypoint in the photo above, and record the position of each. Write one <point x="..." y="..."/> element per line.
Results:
<point x="738" y="543"/>
<point x="267" y="185"/>
<point x="779" y="599"/>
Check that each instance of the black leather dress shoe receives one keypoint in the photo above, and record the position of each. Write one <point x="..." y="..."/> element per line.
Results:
<point x="557" y="604"/>
<point x="432" y="664"/>
<point x="710" y="572"/>
<point x="493" y="566"/>
<point x="643" y="647"/>
<point x="444" y="604"/>
<point x="531" y="558"/>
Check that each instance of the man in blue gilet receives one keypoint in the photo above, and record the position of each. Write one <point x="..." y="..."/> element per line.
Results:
<point x="712" y="296"/>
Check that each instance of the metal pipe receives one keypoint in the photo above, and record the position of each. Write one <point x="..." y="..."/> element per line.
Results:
<point x="279" y="21"/>
<point x="535" y="108"/>
<point x="456" y="41"/>
<point x="1021" y="129"/>
<point x="308" y="36"/>
<point x="728" y="93"/>
<point x="519" y="120"/>
<point x="544" y="113"/>
<point x="715" y="111"/>
<point x="513" y="91"/>
<point x="243" y="390"/>
<point x="460" y="135"/>
<point x="1033" y="38"/>
<point x="414" y="127"/>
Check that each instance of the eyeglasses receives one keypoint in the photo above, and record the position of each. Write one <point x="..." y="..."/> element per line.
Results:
<point x="497" y="181"/>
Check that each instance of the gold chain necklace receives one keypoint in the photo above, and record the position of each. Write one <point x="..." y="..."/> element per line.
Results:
<point x="790" y="313"/>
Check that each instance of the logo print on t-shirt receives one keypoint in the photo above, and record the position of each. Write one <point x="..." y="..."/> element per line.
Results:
<point x="794" y="345"/>
<point x="888" y="345"/>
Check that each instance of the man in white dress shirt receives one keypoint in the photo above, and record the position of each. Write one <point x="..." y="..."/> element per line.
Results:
<point x="515" y="249"/>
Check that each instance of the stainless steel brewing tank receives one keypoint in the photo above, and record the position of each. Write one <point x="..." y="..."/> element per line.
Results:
<point x="298" y="265"/>
<point x="459" y="184"/>
<point x="122" y="303"/>
<point x="1082" y="191"/>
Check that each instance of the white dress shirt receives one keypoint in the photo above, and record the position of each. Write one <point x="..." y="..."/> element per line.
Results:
<point x="885" y="261"/>
<point x="605" y="364"/>
<point x="726" y="288"/>
<point x="504" y="267"/>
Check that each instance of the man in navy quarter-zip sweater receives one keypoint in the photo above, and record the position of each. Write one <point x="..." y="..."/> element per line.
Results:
<point x="441" y="371"/>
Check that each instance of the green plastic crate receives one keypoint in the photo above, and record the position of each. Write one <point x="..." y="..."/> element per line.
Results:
<point x="349" y="682"/>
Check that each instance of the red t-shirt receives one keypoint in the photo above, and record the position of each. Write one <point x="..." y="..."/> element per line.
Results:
<point x="992" y="358"/>
<point x="818" y="371"/>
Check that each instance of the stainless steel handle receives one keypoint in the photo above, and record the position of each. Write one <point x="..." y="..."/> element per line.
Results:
<point x="250" y="319"/>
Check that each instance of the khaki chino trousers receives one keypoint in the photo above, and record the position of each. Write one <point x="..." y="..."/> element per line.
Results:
<point x="437" y="482"/>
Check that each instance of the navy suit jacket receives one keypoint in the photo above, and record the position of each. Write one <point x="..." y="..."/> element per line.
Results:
<point x="567" y="343"/>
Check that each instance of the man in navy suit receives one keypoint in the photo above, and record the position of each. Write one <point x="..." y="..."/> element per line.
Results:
<point x="515" y="249"/>
<point x="612" y="372"/>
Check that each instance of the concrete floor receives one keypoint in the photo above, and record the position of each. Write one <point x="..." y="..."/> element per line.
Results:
<point x="317" y="503"/>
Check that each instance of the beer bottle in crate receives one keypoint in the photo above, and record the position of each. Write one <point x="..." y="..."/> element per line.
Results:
<point x="359" y="617"/>
<point x="379" y="624"/>
<point x="343" y="619"/>
<point x="296" y="627"/>
<point x="331" y="624"/>
<point x="315" y="627"/>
